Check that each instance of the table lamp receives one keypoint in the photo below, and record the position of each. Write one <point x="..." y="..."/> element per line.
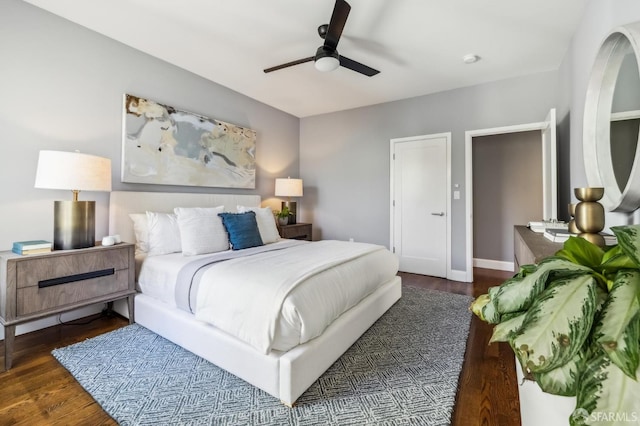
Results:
<point x="73" y="221"/>
<point x="289" y="188"/>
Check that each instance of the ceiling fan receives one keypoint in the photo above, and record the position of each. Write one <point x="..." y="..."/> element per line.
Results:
<point x="327" y="57"/>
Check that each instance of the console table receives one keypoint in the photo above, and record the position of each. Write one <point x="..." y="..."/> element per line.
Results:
<point x="531" y="247"/>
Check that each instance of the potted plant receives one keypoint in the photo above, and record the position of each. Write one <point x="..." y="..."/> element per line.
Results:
<point x="573" y="322"/>
<point x="283" y="215"/>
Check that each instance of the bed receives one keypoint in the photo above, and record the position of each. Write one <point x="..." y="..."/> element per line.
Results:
<point x="282" y="371"/>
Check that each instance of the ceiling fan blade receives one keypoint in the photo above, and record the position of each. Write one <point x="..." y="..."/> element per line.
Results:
<point x="336" y="25"/>
<point x="357" y="67"/>
<point x="290" y="64"/>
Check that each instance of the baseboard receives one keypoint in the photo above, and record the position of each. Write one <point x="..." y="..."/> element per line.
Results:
<point x="455" y="275"/>
<point x="493" y="264"/>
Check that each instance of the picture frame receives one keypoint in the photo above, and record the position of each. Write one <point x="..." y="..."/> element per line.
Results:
<point x="166" y="146"/>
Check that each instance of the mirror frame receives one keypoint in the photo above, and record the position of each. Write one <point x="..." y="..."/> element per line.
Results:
<point x="597" y="123"/>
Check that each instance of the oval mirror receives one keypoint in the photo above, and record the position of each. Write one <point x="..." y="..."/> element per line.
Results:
<point x="612" y="120"/>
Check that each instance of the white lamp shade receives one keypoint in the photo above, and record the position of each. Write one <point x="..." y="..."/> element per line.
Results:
<point x="73" y="171"/>
<point x="288" y="187"/>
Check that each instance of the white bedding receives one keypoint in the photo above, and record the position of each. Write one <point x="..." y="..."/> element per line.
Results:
<point x="307" y="309"/>
<point x="248" y="297"/>
<point x="158" y="274"/>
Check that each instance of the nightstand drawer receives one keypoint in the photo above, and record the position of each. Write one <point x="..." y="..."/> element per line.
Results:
<point x="30" y="272"/>
<point x="298" y="231"/>
<point x="34" y="299"/>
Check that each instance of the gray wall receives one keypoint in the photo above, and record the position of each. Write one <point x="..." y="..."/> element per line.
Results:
<point x="507" y="190"/>
<point x="339" y="147"/>
<point x="344" y="156"/>
<point x="61" y="87"/>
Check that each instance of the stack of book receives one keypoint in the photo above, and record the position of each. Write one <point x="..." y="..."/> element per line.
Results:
<point x="540" y="227"/>
<point x="561" y="235"/>
<point x="557" y="235"/>
<point x="609" y="240"/>
<point x="31" y="247"/>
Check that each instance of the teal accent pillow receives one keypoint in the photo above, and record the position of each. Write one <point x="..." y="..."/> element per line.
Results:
<point x="242" y="229"/>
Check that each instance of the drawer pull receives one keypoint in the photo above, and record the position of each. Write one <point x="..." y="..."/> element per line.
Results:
<point x="76" y="277"/>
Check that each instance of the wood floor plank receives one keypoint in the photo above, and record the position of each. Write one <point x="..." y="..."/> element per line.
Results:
<point x="38" y="390"/>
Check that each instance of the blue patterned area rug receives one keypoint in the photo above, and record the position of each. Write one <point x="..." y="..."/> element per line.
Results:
<point x="403" y="370"/>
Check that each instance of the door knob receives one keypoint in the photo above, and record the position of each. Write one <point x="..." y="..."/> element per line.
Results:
<point x="438" y="214"/>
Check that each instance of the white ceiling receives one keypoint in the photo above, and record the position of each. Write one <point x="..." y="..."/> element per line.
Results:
<point x="417" y="45"/>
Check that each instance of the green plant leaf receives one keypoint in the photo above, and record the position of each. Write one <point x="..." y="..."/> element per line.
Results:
<point x="484" y="308"/>
<point x="582" y="252"/>
<point x="562" y="380"/>
<point x="510" y="315"/>
<point x="493" y="291"/>
<point x="618" y="329"/>
<point x="614" y="260"/>
<point x="507" y="328"/>
<point x="557" y="324"/>
<point x="490" y="313"/>
<point x="629" y="241"/>
<point x="601" y="298"/>
<point x="517" y="293"/>
<point x="526" y="270"/>
<point x="606" y="396"/>
<point x="479" y="303"/>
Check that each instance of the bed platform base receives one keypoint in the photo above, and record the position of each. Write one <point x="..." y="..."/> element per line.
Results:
<point x="284" y="375"/>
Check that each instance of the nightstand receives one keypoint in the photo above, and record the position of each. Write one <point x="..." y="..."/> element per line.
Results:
<point x="299" y="231"/>
<point x="40" y="285"/>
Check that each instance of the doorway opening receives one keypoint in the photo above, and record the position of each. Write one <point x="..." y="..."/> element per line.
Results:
<point x="548" y="209"/>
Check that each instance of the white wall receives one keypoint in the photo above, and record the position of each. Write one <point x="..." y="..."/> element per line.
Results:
<point x="61" y="88"/>
<point x="600" y="17"/>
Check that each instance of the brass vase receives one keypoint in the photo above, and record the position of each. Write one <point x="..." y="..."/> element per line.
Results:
<point x="572" y="223"/>
<point x="589" y="214"/>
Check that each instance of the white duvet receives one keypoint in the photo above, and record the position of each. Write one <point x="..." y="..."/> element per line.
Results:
<point x="277" y="300"/>
<point x="280" y="299"/>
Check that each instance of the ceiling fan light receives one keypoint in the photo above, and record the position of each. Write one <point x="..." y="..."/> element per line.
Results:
<point x="327" y="63"/>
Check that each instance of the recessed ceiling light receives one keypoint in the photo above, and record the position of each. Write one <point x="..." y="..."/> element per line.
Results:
<point x="470" y="58"/>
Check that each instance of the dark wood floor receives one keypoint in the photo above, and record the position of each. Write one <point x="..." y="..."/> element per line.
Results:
<point x="37" y="390"/>
<point x="488" y="388"/>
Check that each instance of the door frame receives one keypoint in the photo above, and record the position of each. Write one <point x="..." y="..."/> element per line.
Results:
<point x="392" y="142"/>
<point x="468" y="170"/>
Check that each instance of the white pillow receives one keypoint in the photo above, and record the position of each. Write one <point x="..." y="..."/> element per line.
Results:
<point x="266" y="223"/>
<point x="141" y="230"/>
<point x="201" y="230"/>
<point x="164" y="234"/>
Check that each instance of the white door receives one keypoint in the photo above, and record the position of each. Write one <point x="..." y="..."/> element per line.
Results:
<point x="419" y="188"/>
<point x="549" y="172"/>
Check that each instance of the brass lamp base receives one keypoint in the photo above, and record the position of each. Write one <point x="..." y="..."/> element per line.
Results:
<point x="292" y="209"/>
<point x="74" y="224"/>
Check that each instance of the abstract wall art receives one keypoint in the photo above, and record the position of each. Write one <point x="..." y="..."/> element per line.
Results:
<point x="166" y="146"/>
